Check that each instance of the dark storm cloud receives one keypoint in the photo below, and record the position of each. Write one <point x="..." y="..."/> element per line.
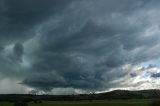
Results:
<point x="18" y="50"/>
<point x="18" y="21"/>
<point x="19" y="17"/>
<point x="156" y="75"/>
<point x="89" y="51"/>
<point x="79" y="44"/>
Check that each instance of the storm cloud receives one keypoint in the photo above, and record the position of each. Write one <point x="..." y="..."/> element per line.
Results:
<point x="156" y="75"/>
<point x="84" y="45"/>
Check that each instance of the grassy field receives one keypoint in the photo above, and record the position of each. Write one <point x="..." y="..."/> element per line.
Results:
<point x="88" y="103"/>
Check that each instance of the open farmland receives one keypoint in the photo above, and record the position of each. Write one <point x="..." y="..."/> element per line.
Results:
<point x="144" y="102"/>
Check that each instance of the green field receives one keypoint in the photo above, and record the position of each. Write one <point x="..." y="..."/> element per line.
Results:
<point x="88" y="103"/>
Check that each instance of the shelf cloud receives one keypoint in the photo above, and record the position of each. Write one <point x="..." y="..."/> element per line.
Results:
<point x="88" y="45"/>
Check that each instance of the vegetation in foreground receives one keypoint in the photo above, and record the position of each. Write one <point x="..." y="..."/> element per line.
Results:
<point x="138" y="102"/>
<point x="113" y="98"/>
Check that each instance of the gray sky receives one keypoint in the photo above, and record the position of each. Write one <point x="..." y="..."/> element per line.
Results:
<point x="74" y="46"/>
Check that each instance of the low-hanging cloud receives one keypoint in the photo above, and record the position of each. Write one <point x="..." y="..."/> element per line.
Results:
<point x="87" y="45"/>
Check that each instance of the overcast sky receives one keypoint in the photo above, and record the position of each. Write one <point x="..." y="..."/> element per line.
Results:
<point x="75" y="46"/>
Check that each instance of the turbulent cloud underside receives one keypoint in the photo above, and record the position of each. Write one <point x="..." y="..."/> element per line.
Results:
<point x="77" y="46"/>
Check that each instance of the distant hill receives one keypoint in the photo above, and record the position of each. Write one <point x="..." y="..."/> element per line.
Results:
<point x="116" y="94"/>
<point x="125" y="94"/>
